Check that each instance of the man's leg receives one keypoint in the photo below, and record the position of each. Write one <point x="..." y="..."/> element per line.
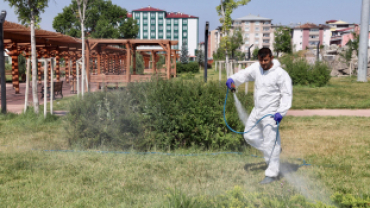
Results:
<point x="255" y="136"/>
<point x="271" y="147"/>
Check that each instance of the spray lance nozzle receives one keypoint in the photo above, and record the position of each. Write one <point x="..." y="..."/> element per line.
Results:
<point x="233" y="88"/>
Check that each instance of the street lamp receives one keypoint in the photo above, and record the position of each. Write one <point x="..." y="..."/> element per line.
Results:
<point x="206" y="51"/>
<point x="2" y="63"/>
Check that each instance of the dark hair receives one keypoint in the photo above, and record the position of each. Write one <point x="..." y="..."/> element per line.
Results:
<point x="263" y="52"/>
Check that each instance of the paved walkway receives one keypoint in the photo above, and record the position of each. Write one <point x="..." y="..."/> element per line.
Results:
<point x="15" y="102"/>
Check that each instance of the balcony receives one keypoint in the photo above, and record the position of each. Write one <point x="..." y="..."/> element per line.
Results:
<point x="266" y="37"/>
<point x="336" y="38"/>
<point x="314" y="33"/>
<point x="314" y="39"/>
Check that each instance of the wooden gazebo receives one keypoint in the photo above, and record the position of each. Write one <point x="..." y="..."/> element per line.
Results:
<point x="110" y="58"/>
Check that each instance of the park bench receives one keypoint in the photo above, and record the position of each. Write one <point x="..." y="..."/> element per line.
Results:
<point x="58" y="86"/>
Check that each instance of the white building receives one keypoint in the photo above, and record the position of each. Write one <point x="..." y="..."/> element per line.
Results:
<point x="158" y="24"/>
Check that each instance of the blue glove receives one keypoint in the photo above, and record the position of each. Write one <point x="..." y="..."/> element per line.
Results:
<point x="229" y="82"/>
<point x="278" y="117"/>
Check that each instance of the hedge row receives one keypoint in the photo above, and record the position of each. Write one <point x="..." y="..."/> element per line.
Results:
<point x="157" y="114"/>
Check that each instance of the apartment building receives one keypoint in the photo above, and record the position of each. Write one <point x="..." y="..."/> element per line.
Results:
<point x="156" y="23"/>
<point x="256" y="30"/>
<point x="309" y="34"/>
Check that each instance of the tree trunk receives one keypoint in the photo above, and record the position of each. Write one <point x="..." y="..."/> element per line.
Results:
<point x="35" y="98"/>
<point x="83" y="61"/>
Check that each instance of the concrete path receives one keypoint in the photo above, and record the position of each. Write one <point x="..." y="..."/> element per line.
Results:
<point x="15" y="102"/>
<point x="330" y="112"/>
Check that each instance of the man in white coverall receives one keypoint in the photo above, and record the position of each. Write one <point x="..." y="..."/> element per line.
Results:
<point x="272" y="95"/>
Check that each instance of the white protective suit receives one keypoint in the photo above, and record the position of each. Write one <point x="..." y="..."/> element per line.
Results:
<point x="272" y="94"/>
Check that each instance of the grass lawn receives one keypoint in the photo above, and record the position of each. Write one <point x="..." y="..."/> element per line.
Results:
<point x="340" y="93"/>
<point x="337" y="148"/>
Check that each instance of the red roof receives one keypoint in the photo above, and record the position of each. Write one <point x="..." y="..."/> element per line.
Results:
<point x="148" y="9"/>
<point x="129" y="15"/>
<point x="350" y="28"/>
<point x="331" y="21"/>
<point x="179" y="15"/>
<point x="312" y="26"/>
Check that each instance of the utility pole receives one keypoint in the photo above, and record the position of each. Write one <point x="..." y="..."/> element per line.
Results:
<point x="206" y="51"/>
<point x="364" y="42"/>
<point x="2" y="63"/>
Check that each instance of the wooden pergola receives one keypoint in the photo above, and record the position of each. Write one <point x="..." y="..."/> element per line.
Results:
<point x="129" y="47"/>
<point x="110" y="59"/>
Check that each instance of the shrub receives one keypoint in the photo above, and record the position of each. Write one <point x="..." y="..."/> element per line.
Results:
<point x="161" y="113"/>
<point x="303" y="73"/>
<point x="192" y="67"/>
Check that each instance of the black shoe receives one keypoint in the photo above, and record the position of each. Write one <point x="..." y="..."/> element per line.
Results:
<point x="267" y="180"/>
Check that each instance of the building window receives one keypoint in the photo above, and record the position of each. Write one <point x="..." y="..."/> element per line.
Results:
<point x="184" y="41"/>
<point x="257" y="42"/>
<point x="314" y="36"/>
<point x="257" y="35"/>
<point x="152" y="15"/>
<point x="160" y="34"/>
<point x="176" y="27"/>
<point x="314" y="30"/>
<point x="145" y="21"/>
<point x="168" y="21"/>
<point x="176" y="21"/>
<point x="152" y="21"/>
<point x="266" y="23"/>
<point x="145" y="27"/>
<point x="176" y="35"/>
<point x="246" y="47"/>
<point x="257" y="28"/>
<point x="137" y="15"/>
<point x="152" y="27"/>
<point x="160" y="15"/>
<point x="185" y="34"/>
<point x="246" y="35"/>
<point x="160" y="21"/>
<point x="184" y="27"/>
<point x="246" y="42"/>
<point x="160" y="27"/>
<point x="138" y="21"/>
<point x="266" y="29"/>
<point x="168" y="35"/>
<point x="246" y="28"/>
<point x="168" y="27"/>
<point x="152" y="35"/>
<point x="145" y="34"/>
<point x="313" y="43"/>
<point x="184" y="21"/>
<point x="266" y="35"/>
<point x="145" y="15"/>
<point x="257" y="23"/>
<point x="247" y="23"/>
<point x="266" y="41"/>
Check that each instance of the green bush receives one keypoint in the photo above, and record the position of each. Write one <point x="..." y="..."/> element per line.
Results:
<point x="349" y="201"/>
<point x="192" y="67"/>
<point x="303" y="73"/>
<point x="8" y="67"/>
<point x="176" y="114"/>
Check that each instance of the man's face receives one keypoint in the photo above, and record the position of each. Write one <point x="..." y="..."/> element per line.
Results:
<point x="266" y="62"/>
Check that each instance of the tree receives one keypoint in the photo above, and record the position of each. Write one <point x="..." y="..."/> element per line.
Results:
<point x="82" y="20"/>
<point x="28" y="12"/>
<point x="282" y="40"/>
<point x="102" y="21"/>
<point x="225" y="9"/>
<point x="200" y="57"/>
<point x="129" y="29"/>
<point x="233" y="42"/>
<point x="184" y="55"/>
<point x="255" y="53"/>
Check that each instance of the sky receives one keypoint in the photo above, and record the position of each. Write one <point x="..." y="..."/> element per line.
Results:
<point x="281" y="11"/>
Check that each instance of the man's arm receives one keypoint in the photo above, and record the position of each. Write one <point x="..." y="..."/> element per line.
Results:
<point x="286" y="90"/>
<point x="246" y="75"/>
